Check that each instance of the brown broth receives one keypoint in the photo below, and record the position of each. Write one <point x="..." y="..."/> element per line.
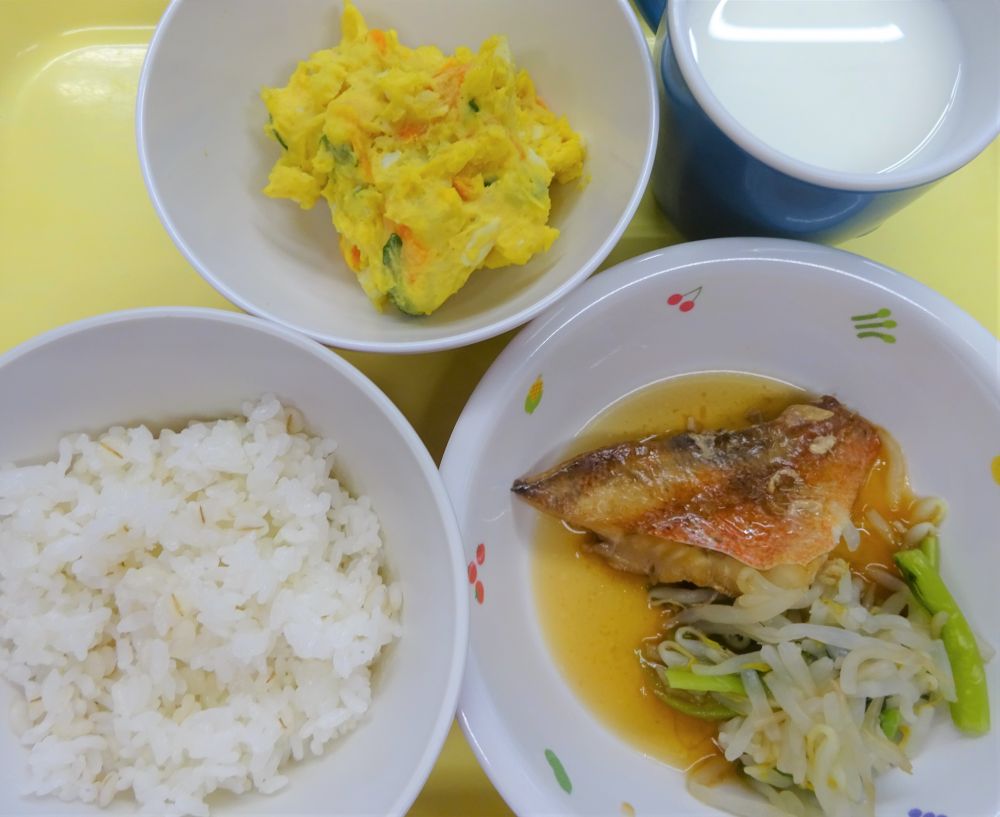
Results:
<point x="874" y="550"/>
<point x="596" y="619"/>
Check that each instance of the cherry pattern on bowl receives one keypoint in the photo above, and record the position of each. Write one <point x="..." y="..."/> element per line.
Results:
<point x="684" y="301"/>
<point x="479" y="591"/>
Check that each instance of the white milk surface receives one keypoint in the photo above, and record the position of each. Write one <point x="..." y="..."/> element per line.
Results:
<point x="857" y="86"/>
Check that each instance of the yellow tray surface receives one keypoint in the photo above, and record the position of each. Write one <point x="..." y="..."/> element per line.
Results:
<point x="78" y="236"/>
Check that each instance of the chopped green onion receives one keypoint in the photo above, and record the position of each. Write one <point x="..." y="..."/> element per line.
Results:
<point x="890" y="720"/>
<point x="698" y="707"/>
<point x="474" y="105"/>
<point x="274" y="131"/>
<point x="689" y="681"/>
<point x="342" y="154"/>
<point x="392" y="253"/>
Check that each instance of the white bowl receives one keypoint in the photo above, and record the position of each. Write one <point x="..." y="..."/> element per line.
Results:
<point x="167" y="366"/>
<point x="205" y="157"/>
<point x="776" y="308"/>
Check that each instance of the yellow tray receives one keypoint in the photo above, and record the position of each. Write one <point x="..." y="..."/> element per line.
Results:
<point x="78" y="236"/>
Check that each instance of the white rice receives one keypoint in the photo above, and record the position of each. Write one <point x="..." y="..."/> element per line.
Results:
<point x="189" y="612"/>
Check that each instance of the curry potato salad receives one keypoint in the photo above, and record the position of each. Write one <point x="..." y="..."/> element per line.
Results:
<point x="433" y="166"/>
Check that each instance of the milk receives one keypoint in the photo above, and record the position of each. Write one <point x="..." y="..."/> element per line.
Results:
<point x="848" y="85"/>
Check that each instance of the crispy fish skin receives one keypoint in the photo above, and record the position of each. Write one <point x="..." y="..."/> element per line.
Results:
<point x="774" y="494"/>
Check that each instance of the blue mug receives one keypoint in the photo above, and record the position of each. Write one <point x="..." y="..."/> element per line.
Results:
<point x="712" y="177"/>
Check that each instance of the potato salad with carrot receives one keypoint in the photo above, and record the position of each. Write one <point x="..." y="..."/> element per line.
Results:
<point x="433" y="166"/>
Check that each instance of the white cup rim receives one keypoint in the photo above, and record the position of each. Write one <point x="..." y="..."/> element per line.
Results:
<point x="905" y="178"/>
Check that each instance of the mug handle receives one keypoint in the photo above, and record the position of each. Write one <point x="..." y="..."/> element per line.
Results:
<point x="652" y="11"/>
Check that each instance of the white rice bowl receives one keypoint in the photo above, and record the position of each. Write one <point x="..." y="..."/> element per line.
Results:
<point x="188" y="612"/>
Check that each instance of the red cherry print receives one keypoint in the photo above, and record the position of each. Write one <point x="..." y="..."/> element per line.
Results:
<point x="472" y="572"/>
<point x="481" y="553"/>
<point x="480" y="593"/>
<point x="684" y="301"/>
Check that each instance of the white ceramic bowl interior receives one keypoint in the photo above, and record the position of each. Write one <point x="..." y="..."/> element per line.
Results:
<point x="205" y="156"/>
<point x="776" y="308"/>
<point x="168" y="366"/>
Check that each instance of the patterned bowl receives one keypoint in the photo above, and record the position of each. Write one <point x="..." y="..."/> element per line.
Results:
<point x="826" y="320"/>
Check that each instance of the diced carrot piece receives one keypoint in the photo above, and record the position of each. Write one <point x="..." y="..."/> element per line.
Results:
<point x="414" y="251"/>
<point x="363" y="161"/>
<point x="415" y="255"/>
<point x="377" y="37"/>
<point x="446" y="66"/>
<point x="410" y="129"/>
<point x="451" y="75"/>
<point x="462" y="188"/>
<point x="351" y="253"/>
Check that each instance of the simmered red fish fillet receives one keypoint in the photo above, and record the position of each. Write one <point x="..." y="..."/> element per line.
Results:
<point x="774" y="495"/>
